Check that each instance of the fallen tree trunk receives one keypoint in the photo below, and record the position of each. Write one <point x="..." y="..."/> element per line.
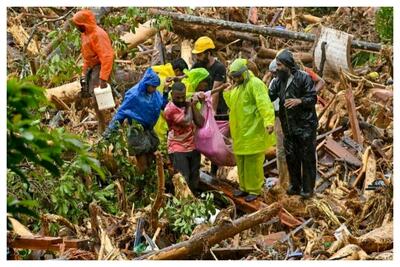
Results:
<point x="201" y="242"/>
<point x="263" y="30"/>
<point x="67" y="92"/>
<point x="269" y="53"/>
<point x="223" y="36"/>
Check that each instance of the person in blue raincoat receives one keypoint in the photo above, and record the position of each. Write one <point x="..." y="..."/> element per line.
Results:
<point x="141" y="107"/>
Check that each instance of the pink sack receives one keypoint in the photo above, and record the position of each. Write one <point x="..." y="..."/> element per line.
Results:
<point x="224" y="128"/>
<point x="210" y="141"/>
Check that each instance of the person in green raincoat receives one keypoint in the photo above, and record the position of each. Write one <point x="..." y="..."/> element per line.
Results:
<point x="196" y="80"/>
<point x="251" y="120"/>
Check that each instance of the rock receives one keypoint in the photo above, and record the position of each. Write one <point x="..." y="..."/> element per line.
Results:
<point x="377" y="240"/>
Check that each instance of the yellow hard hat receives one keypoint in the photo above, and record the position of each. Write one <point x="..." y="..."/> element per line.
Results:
<point x="202" y="44"/>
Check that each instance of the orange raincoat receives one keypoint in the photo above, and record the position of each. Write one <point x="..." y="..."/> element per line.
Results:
<point x="96" y="44"/>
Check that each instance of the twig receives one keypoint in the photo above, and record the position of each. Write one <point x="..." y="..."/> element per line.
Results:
<point x="39" y="15"/>
<point x="156" y="234"/>
<point x="42" y="22"/>
<point x="212" y="253"/>
<point x="231" y="43"/>
<point x="287" y="237"/>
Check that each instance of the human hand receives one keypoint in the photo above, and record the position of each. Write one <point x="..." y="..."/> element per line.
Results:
<point x="226" y="86"/>
<point x="168" y="83"/>
<point x="194" y="99"/>
<point x="103" y="84"/>
<point x="201" y="96"/>
<point x="292" y="102"/>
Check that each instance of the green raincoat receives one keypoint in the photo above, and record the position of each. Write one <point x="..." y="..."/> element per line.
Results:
<point x="251" y="111"/>
<point x="194" y="77"/>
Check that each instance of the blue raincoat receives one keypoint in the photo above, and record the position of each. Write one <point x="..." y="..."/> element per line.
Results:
<point x="141" y="106"/>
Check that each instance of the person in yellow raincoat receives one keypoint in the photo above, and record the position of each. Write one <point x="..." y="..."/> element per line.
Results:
<point x="251" y="121"/>
<point x="176" y="68"/>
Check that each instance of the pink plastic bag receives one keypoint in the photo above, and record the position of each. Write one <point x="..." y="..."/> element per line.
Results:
<point x="210" y="141"/>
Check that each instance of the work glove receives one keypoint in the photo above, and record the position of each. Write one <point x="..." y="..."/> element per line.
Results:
<point x="84" y="87"/>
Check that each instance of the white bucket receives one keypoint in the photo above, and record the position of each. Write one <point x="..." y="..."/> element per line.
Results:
<point x="104" y="97"/>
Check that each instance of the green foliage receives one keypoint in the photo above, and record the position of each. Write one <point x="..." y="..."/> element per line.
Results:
<point x="128" y="18"/>
<point x="62" y="66"/>
<point x="35" y="154"/>
<point x="29" y="141"/>
<point x="163" y="22"/>
<point x="384" y="24"/>
<point x="181" y="213"/>
<point x="361" y="58"/>
<point x="139" y="186"/>
<point x="20" y="208"/>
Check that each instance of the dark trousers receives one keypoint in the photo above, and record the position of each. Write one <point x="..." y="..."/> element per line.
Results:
<point x="188" y="164"/>
<point x="301" y="161"/>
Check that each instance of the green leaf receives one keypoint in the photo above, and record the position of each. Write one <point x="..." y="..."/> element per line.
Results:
<point x="27" y="135"/>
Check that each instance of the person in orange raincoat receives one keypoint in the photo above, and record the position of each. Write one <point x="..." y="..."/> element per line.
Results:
<point x="98" y="58"/>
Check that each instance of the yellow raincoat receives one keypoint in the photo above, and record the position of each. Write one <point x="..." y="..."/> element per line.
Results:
<point x="161" y="127"/>
<point x="251" y="111"/>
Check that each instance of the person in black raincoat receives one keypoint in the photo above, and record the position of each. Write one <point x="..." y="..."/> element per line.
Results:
<point x="297" y="97"/>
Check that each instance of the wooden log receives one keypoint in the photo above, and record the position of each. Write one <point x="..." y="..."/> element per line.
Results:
<point x="370" y="174"/>
<point x="269" y="53"/>
<point x="262" y="62"/>
<point x="19" y="228"/>
<point x="209" y="183"/>
<point x="202" y="241"/>
<point x="142" y="33"/>
<point x="267" y="31"/>
<point x="364" y="167"/>
<point x="194" y="31"/>
<point x="186" y="52"/>
<point x="67" y="92"/>
<point x="336" y="150"/>
<point x="306" y="58"/>
<point x="310" y="19"/>
<point x="351" y="108"/>
<point x="266" y="52"/>
<point x="294" y="20"/>
<point x="36" y="242"/>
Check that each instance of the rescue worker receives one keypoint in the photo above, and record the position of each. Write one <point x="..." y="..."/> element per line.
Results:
<point x="183" y="117"/>
<point x="141" y="107"/>
<point x="297" y="97"/>
<point x="166" y="72"/>
<point x="179" y="65"/>
<point x="98" y="58"/>
<point x="203" y="51"/>
<point x="251" y="120"/>
<point x="196" y="80"/>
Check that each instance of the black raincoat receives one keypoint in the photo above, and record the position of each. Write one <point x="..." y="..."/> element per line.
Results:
<point x="299" y="124"/>
<point x="302" y="118"/>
